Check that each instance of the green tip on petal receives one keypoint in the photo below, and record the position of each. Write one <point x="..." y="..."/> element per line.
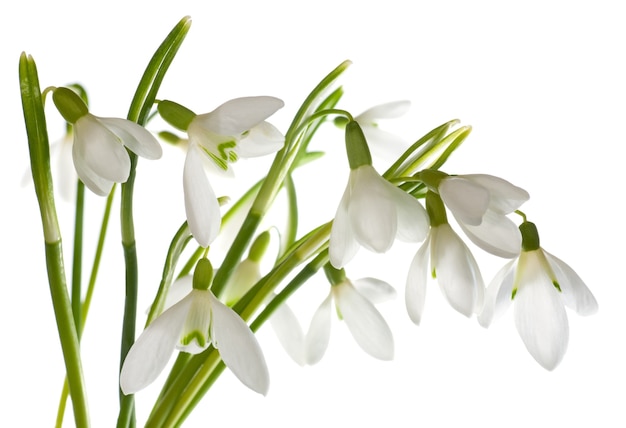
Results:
<point x="70" y="104"/>
<point x="530" y="236"/>
<point x="356" y="146"/>
<point x="203" y="275"/>
<point x="176" y="115"/>
<point x="436" y="209"/>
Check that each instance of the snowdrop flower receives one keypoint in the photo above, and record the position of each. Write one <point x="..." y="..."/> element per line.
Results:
<point x="99" y="147"/>
<point x="354" y="303"/>
<point x="236" y="129"/>
<point x="540" y="286"/>
<point x="480" y="203"/>
<point x="191" y="325"/>
<point x="372" y="212"/>
<point x="451" y="262"/>
<point x="383" y="144"/>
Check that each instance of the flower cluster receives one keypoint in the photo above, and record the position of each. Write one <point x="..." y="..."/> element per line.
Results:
<point x="211" y="316"/>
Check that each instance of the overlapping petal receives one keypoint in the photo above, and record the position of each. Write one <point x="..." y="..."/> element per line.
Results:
<point x="417" y="279"/>
<point x="497" y="234"/>
<point x="366" y="324"/>
<point x="468" y="201"/>
<point x="575" y="293"/>
<point x="201" y="205"/>
<point x="318" y="335"/>
<point x="137" y="138"/>
<point x="263" y="139"/>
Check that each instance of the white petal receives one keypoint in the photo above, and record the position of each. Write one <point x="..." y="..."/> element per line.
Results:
<point x="417" y="278"/>
<point x="575" y="293"/>
<point x="154" y="347"/>
<point x="179" y="289"/>
<point x="467" y="200"/>
<point x="413" y="223"/>
<point x="373" y="215"/>
<point x="457" y="271"/>
<point x="137" y="138"/>
<point x="100" y="149"/>
<point x="343" y="245"/>
<point x="497" y="235"/>
<point x="318" y="336"/>
<point x="93" y="181"/>
<point x="65" y="173"/>
<point x="239" y="115"/>
<point x="238" y="347"/>
<point x="246" y="274"/>
<point x="504" y="196"/>
<point x="388" y="110"/>
<point x="540" y="316"/>
<point x="498" y="296"/>
<point x="289" y="333"/>
<point x="196" y="334"/>
<point x="366" y="324"/>
<point x="374" y="290"/>
<point x="385" y="146"/>
<point x="201" y="205"/>
<point x="262" y="140"/>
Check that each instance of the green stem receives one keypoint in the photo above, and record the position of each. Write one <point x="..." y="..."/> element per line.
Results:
<point x="78" y="255"/>
<point x="36" y="129"/>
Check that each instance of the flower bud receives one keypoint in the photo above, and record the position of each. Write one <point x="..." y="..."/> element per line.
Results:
<point x="69" y="104"/>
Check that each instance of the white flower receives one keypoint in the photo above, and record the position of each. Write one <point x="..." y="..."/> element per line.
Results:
<point x="480" y="203"/>
<point x="456" y="270"/>
<point x="373" y="213"/>
<point x="355" y="305"/>
<point x="383" y="144"/>
<point x="235" y="129"/>
<point x="191" y="325"/>
<point x="99" y="150"/>
<point x="540" y="286"/>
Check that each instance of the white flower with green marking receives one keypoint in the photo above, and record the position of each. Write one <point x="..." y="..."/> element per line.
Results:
<point x="539" y="286"/>
<point x="190" y="325"/>
<point x="236" y="129"/>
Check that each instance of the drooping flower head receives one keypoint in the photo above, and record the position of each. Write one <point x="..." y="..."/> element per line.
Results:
<point x="539" y="286"/>
<point x="99" y="147"/>
<point x="451" y="263"/>
<point x="372" y="212"/>
<point x="236" y="129"/>
<point x="191" y="325"/>
<point x="480" y="204"/>
<point x="354" y="304"/>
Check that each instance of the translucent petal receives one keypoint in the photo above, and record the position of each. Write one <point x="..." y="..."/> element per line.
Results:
<point x="540" y="316"/>
<point x="238" y="347"/>
<point x="262" y="140"/>
<point x="384" y="146"/>
<point x="388" y="110"/>
<point x="93" y="181"/>
<point x="289" y="333"/>
<point x="458" y="274"/>
<point x="201" y="205"/>
<point x="497" y="234"/>
<point x="343" y="245"/>
<point x="65" y="171"/>
<point x="504" y="196"/>
<point x="498" y="296"/>
<point x="137" y="138"/>
<point x="246" y="274"/>
<point x="374" y="290"/>
<point x="100" y="149"/>
<point x="178" y="290"/>
<point x="413" y="223"/>
<point x="318" y="336"/>
<point x="368" y="327"/>
<point x="575" y="293"/>
<point x="239" y="115"/>
<point x="151" y="352"/>
<point x="371" y="210"/>
<point x="467" y="200"/>
<point x="417" y="278"/>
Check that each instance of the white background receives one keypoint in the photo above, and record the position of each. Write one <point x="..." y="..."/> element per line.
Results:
<point x="542" y="84"/>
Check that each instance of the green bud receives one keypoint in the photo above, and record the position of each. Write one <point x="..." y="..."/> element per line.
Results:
<point x="170" y="137"/>
<point x="340" y="121"/>
<point x="530" y="236"/>
<point x="259" y="246"/>
<point x="176" y="115"/>
<point x="203" y="274"/>
<point x="356" y="146"/>
<point x="70" y="104"/>
<point x="436" y="209"/>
